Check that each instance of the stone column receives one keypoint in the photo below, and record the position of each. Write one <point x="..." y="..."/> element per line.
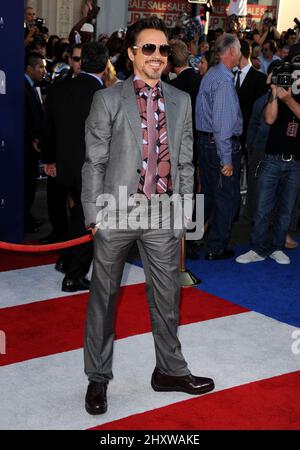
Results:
<point x="113" y="15"/>
<point x="61" y="15"/>
<point x="64" y="17"/>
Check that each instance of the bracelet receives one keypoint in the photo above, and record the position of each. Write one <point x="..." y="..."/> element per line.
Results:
<point x="272" y="98"/>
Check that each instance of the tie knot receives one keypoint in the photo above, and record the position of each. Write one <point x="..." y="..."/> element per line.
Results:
<point x="144" y="89"/>
<point x="153" y="92"/>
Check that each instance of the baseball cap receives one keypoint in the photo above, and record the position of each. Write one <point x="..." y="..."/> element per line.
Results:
<point x="87" y="28"/>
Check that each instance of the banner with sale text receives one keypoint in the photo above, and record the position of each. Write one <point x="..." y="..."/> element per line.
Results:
<point x="218" y="18"/>
<point x="168" y="11"/>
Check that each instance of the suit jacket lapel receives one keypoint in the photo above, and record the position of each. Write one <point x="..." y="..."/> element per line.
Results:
<point x="132" y="111"/>
<point x="35" y="97"/>
<point x="247" y="80"/>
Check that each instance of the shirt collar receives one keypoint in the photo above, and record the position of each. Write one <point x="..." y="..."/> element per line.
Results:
<point x="183" y="70"/>
<point x="224" y="69"/>
<point x="137" y="78"/>
<point x="30" y="81"/>
<point x="246" y="69"/>
<point x="95" y="76"/>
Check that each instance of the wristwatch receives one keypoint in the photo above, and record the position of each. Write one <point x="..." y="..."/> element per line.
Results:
<point x="272" y="98"/>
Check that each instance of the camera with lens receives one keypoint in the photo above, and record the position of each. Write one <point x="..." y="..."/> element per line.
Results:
<point x="270" y="22"/>
<point x="286" y="73"/>
<point x="297" y="22"/>
<point x="191" y="27"/>
<point x="40" y="23"/>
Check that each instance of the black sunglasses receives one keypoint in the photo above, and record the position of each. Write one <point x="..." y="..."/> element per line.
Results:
<point x="149" y="49"/>
<point x="76" y="58"/>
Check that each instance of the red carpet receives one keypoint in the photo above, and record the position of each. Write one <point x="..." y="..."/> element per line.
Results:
<point x="53" y="326"/>
<point x="272" y="404"/>
<point x="13" y="261"/>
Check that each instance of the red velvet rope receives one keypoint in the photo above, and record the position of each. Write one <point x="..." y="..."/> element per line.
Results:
<point x="44" y="248"/>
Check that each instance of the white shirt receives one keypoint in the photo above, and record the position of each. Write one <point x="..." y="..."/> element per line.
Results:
<point x="244" y="73"/>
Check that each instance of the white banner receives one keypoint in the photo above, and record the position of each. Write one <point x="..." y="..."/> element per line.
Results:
<point x="237" y="7"/>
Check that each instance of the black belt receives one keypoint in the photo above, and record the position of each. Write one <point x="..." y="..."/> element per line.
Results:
<point x="211" y="135"/>
<point x="286" y="157"/>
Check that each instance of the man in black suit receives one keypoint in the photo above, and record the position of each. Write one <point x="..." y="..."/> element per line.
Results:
<point x="250" y="85"/>
<point x="187" y="79"/>
<point x="56" y="193"/>
<point x="35" y="70"/>
<point x="67" y="108"/>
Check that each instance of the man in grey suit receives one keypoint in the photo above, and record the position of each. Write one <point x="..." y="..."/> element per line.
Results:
<point x="138" y="136"/>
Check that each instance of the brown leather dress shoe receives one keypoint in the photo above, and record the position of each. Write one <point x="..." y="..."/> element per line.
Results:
<point x="95" y="399"/>
<point x="188" y="383"/>
<point x="290" y="242"/>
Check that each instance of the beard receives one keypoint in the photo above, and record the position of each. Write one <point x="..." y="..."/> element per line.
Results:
<point x="154" y="73"/>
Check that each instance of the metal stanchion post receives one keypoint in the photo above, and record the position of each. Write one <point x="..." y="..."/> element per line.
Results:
<point x="209" y="4"/>
<point x="207" y="24"/>
<point x="187" y="279"/>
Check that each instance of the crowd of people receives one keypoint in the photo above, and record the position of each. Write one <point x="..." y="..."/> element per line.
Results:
<point x="158" y="112"/>
<point x="59" y="91"/>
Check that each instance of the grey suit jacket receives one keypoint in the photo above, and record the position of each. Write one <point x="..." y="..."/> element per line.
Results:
<point x="114" y="147"/>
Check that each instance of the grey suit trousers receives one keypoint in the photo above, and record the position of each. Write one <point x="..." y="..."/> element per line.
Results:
<point x="160" y="255"/>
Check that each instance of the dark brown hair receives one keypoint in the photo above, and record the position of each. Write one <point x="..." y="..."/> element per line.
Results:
<point x="134" y="30"/>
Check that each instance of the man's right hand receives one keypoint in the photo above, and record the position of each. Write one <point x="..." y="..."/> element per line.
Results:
<point x="94" y="231"/>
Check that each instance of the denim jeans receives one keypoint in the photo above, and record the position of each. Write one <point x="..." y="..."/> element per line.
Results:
<point x="221" y="194"/>
<point x="278" y="185"/>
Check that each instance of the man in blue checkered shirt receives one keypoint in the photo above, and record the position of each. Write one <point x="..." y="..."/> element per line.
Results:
<point x="219" y="123"/>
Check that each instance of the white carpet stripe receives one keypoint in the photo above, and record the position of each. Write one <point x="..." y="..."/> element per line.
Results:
<point x="23" y="286"/>
<point x="48" y="393"/>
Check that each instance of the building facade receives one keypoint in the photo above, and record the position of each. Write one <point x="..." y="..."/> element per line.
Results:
<point x="61" y="15"/>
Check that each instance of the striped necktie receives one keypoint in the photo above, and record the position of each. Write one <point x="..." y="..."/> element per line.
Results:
<point x="151" y="171"/>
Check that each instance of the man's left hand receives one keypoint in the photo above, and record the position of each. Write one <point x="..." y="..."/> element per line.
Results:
<point x="227" y="170"/>
<point x="36" y="145"/>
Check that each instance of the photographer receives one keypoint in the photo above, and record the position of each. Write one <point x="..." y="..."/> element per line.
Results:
<point x="88" y="7"/>
<point x="29" y="17"/>
<point x="268" y="31"/>
<point x="35" y="30"/>
<point x="278" y="183"/>
<point x="30" y="27"/>
<point x="83" y="31"/>
<point x="290" y="37"/>
<point x="268" y="56"/>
